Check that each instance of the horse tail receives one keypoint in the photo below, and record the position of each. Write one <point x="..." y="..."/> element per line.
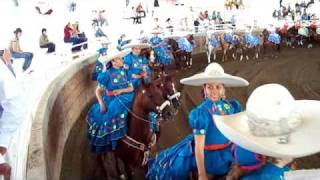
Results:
<point x="278" y="48"/>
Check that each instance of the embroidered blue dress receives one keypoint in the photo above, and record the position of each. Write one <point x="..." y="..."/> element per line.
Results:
<point x="213" y="41"/>
<point x="161" y="52"/>
<point x="184" y="44"/>
<point x="137" y="65"/>
<point x="274" y="37"/>
<point x="99" y="66"/>
<point x="251" y="40"/>
<point x="228" y="38"/>
<point x="104" y="129"/>
<point x="251" y="161"/>
<point x="176" y="162"/>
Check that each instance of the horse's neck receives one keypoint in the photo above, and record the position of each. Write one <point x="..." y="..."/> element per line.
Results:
<point x="138" y="126"/>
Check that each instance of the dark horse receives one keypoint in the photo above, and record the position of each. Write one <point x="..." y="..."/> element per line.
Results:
<point x="156" y="97"/>
<point x="268" y="44"/>
<point x="178" y="54"/>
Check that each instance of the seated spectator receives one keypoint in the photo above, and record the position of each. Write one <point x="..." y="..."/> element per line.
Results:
<point x="45" y="43"/>
<point x="16" y="51"/>
<point x="11" y="110"/>
<point x="44" y="8"/>
<point x="100" y="18"/>
<point x="97" y="30"/>
<point x="169" y="25"/>
<point x="75" y="37"/>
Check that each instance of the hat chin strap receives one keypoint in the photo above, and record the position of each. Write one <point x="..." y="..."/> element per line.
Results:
<point x="264" y="127"/>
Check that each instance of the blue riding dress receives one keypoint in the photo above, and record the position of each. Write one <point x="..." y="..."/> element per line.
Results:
<point x="251" y="40"/>
<point x="177" y="161"/>
<point x="248" y="160"/>
<point x="228" y="38"/>
<point x="213" y="41"/>
<point x="275" y="38"/>
<point x="99" y="66"/>
<point x="104" y="129"/>
<point x="161" y="52"/>
<point x="184" y="44"/>
<point x="137" y="65"/>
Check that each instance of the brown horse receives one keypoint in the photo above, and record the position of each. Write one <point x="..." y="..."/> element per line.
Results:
<point x="191" y="40"/>
<point x="150" y="109"/>
<point x="178" y="54"/>
<point x="268" y="44"/>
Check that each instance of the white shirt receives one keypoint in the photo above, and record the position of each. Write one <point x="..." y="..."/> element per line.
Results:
<point x="13" y="108"/>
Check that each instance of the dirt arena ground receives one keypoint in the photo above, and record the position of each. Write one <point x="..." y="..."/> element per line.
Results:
<point x="296" y="69"/>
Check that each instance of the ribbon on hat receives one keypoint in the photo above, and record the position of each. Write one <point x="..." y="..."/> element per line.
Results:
<point x="267" y="127"/>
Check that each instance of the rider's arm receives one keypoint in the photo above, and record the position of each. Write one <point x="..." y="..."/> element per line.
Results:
<point x="99" y="92"/>
<point x="199" y="152"/>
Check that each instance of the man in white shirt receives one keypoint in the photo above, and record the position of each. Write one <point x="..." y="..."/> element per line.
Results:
<point x="12" y="111"/>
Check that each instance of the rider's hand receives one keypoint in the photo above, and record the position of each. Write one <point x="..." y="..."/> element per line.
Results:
<point x="103" y="108"/>
<point x="202" y="177"/>
<point x="136" y="76"/>
<point x="116" y="92"/>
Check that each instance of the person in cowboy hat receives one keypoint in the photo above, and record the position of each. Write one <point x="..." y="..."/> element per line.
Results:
<point x="161" y="51"/>
<point x="137" y="65"/>
<point x="102" y="53"/>
<point x="206" y="150"/>
<point x="274" y="124"/>
<point x="123" y="40"/>
<point x="107" y="118"/>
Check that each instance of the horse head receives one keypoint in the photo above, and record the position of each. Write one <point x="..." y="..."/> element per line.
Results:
<point x="169" y="92"/>
<point x="150" y="100"/>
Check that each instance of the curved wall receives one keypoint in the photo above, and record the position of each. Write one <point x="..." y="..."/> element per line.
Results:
<point x="59" y="107"/>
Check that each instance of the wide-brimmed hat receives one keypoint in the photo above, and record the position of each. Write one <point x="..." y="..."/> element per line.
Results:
<point x="136" y="43"/>
<point x="112" y="53"/>
<point x="176" y="35"/>
<point x="274" y="124"/>
<point x="214" y="73"/>
<point x="104" y="40"/>
<point x="156" y="31"/>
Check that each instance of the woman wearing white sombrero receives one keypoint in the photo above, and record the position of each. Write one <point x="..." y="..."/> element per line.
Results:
<point x="160" y="47"/>
<point x="206" y="150"/>
<point x="274" y="124"/>
<point x="115" y="95"/>
<point x="102" y="55"/>
<point x="137" y="65"/>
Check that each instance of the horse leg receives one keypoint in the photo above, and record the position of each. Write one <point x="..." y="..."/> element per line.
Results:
<point x="129" y="171"/>
<point x="209" y="50"/>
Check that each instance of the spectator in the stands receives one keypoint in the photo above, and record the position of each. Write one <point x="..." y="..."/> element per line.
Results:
<point x="17" y="52"/>
<point x="45" y="43"/>
<point x="12" y="110"/>
<point x="97" y="30"/>
<point x="72" y="36"/>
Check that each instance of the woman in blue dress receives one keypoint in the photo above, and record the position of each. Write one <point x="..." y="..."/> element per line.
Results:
<point x="160" y="47"/>
<point x="107" y="119"/>
<point x="102" y="55"/>
<point x="187" y="47"/>
<point x="206" y="150"/>
<point x="137" y="65"/>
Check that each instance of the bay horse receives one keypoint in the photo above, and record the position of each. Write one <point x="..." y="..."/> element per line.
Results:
<point x="178" y="54"/>
<point x="268" y="44"/>
<point x="151" y="108"/>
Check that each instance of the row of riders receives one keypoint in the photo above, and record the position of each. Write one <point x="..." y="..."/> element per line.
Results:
<point x="251" y="44"/>
<point x="132" y="106"/>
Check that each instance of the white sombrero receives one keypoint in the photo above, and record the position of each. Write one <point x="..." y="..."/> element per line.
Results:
<point x="275" y="124"/>
<point x="155" y="31"/>
<point x="214" y="73"/>
<point x="136" y="43"/>
<point x="104" y="40"/>
<point x="112" y="53"/>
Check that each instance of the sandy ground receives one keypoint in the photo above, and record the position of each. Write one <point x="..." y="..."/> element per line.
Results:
<point x="296" y="69"/>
